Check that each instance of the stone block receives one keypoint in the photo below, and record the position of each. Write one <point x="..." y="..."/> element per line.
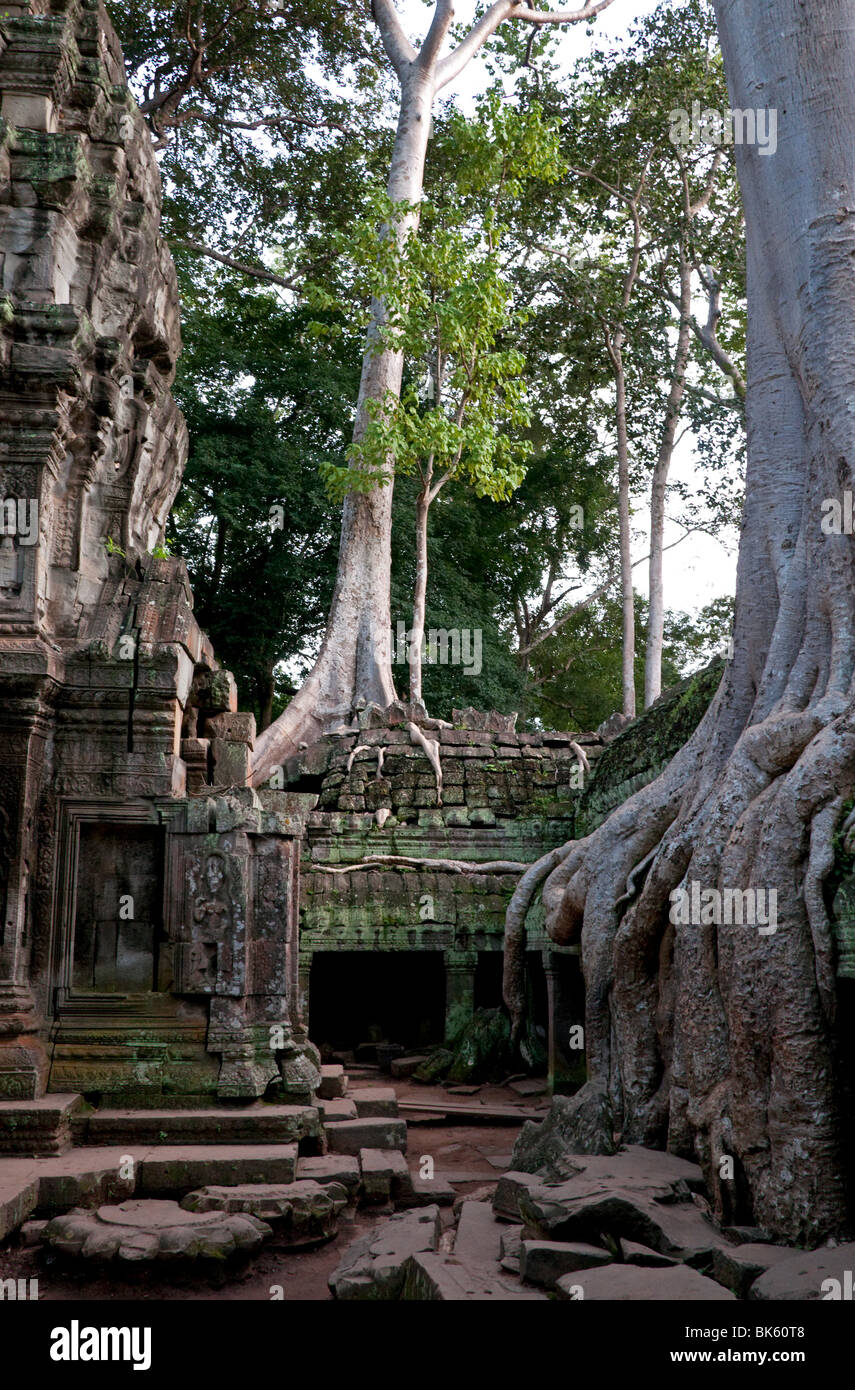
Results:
<point x="436" y="1278"/>
<point x="339" y="1168"/>
<point x="349" y="1136"/>
<point x="543" y="1262"/>
<point x="334" y="1111"/>
<point x="333" y="1082"/>
<point x="624" y="1283"/>
<point x="372" y="1269"/>
<point x="379" y="1102"/>
<point x="171" y="1171"/>
<point x="233" y="727"/>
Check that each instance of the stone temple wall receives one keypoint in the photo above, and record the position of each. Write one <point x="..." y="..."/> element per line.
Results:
<point x="505" y="796"/>
<point x="146" y="910"/>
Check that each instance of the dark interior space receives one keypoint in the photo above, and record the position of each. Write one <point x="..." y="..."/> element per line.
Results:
<point x="488" y="980"/>
<point x="395" y="996"/>
<point x="118" y="923"/>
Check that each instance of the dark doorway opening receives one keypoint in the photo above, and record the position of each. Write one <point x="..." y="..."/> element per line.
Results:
<point x="118" y="925"/>
<point x="367" y="996"/>
<point x="488" y="980"/>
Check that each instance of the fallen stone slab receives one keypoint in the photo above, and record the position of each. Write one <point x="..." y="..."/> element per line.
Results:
<point x="738" y="1266"/>
<point x="349" y="1136"/>
<point x="807" y="1275"/>
<point x="649" y="1172"/>
<point x="426" y="1192"/>
<point x="171" y="1170"/>
<point x="479" y="1235"/>
<point x="402" y="1067"/>
<point x="510" y="1248"/>
<point x="635" y="1254"/>
<point x="146" y="1230"/>
<point x="556" y="1214"/>
<point x="543" y="1262"/>
<point x="510" y="1188"/>
<point x="337" y="1168"/>
<point x="334" y="1111"/>
<point x="436" y="1278"/>
<point x="299" y="1213"/>
<point x="624" y="1283"/>
<point x="375" y="1103"/>
<point x="372" y="1268"/>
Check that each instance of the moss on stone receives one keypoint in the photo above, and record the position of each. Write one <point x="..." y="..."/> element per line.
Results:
<point x="646" y="746"/>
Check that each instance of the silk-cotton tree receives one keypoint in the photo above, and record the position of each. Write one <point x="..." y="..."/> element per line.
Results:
<point x="711" y="1036"/>
<point x="354" y="663"/>
<point x="463" y="412"/>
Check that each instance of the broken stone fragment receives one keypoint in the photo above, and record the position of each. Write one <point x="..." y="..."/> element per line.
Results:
<point x="299" y="1213"/>
<point x="140" y="1231"/>
<point x="373" y="1267"/>
<point x="544" y="1262"/>
<point x="622" y="1283"/>
<point x="579" y="1124"/>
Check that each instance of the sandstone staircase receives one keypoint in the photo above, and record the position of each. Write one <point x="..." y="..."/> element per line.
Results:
<point x="58" y="1153"/>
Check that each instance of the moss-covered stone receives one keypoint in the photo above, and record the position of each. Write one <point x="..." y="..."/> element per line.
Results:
<point x="646" y="746"/>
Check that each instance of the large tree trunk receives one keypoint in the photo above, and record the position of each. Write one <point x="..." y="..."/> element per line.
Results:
<point x="658" y="490"/>
<point x="720" y="1039"/>
<point x="419" y="591"/>
<point x="624" y="521"/>
<point x="354" y="664"/>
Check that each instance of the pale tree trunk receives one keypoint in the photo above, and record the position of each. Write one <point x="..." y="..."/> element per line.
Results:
<point x="717" y="1040"/>
<point x="624" y="519"/>
<point x="658" y="488"/>
<point x="417" y="630"/>
<point x="354" y="664"/>
<point x="614" y="347"/>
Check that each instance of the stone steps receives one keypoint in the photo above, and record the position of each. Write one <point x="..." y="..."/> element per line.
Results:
<point x="253" y="1124"/>
<point x="349" y="1136"/>
<point x="43" y="1126"/>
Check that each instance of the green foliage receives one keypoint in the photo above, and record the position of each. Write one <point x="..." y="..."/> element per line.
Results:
<point x="448" y="308"/>
<point x="252" y="520"/>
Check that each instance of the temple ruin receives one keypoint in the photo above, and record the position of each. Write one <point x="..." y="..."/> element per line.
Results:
<point x="170" y="937"/>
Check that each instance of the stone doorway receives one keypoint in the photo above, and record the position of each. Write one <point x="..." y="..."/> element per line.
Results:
<point x="118" y="923"/>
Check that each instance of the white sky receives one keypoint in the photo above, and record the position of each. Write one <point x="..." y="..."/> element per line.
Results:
<point x="700" y="568"/>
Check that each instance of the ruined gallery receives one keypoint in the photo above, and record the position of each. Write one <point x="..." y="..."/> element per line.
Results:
<point x="342" y="990"/>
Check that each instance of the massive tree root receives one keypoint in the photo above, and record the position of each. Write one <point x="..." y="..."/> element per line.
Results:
<point x="717" y="1038"/>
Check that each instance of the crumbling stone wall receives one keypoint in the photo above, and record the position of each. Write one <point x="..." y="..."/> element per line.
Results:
<point x="112" y="706"/>
<point x="505" y="796"/>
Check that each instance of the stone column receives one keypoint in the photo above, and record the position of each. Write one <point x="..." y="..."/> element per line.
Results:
<point x="23" y="1058"/>
<point x="566" y="1062"/>
<point x="459" y="990"/>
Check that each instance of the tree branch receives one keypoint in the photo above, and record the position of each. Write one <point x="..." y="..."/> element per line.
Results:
<point x="399" y="50"/>
<point x="267" y="275"/>
<point x="489" y="22"/>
